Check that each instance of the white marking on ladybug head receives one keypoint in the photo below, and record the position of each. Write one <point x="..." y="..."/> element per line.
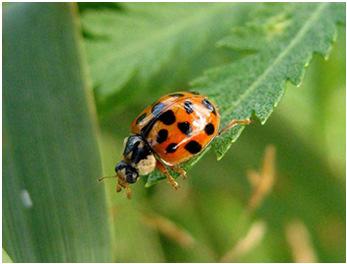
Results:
<point x="125" y="142"/>
<point x="147" y="165"/>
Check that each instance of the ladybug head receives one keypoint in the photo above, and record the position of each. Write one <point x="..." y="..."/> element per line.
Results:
<point x="138" y="159"/>
<point x="126" y="172"/>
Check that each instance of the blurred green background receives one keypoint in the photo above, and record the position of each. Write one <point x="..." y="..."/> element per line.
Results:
<point x="55" y="144"/>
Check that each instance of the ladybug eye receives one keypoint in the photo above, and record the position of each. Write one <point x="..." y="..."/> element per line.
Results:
<point x="120" y="165"/>
<point x="131" y="174"/>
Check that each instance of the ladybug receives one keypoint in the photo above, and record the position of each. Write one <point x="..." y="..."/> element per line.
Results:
<point x="168" y="133"/>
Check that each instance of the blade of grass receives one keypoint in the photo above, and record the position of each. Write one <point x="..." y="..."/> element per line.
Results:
<point x="5" y="257"/>
<point x="54" y="211"/>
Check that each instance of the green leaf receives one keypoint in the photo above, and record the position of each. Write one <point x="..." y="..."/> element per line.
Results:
<point x="142" y="40"/>
<point x="156" y="176"/>
<point x="53" y="207"/>
<point x="255" y="84"/>
<point x="284" y="38"/>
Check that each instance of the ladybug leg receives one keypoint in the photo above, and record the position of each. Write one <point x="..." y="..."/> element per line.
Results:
<point x="170" y="179"/>
<point x="233" y="123"/>
<point x="181" y="172"/>
<point x="128" y="191"/>
<point x="123" y="185"/>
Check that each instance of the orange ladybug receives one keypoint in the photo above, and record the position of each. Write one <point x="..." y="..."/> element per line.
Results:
<point x="169" y="132"/>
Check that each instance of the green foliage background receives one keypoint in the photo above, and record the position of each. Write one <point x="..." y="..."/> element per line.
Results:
<point x="76" y="76"/>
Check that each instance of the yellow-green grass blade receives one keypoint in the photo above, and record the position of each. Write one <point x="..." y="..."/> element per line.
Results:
<point x="5" y="257"/>
<point x="53" y="208"/>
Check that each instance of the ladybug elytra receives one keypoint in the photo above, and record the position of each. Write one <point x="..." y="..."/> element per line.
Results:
<point x="168" y="133"/>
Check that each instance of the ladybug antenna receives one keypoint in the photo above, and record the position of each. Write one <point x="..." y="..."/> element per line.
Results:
<point x="105" y="177"/>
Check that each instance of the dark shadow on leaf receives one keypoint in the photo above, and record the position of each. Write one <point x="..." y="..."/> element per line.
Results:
<point x="82" y="7"/>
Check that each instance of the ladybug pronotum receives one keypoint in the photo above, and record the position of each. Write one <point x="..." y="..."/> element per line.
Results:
<point x="169" y="132"/>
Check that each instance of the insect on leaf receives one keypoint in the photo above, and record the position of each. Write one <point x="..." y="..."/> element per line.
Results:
<point x="283" y="39"/>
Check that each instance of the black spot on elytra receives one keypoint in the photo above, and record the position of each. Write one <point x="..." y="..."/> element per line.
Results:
<point x="140" y="118"/>
<point x="185" y="128"/>
<point x="194" y="92"/>
<point x="176" y="95"/>
<point x="208" y="105"/>
<point x="171" y="148"/>
<point x="148" y="127"/>
<point x="162" y="135"/>
<point x="188" y="106"/>
<point x="209" y="129"/>
<point x="168" y="117"/>
<point x="193" y="147"/>
<point x="157" y="108"/>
